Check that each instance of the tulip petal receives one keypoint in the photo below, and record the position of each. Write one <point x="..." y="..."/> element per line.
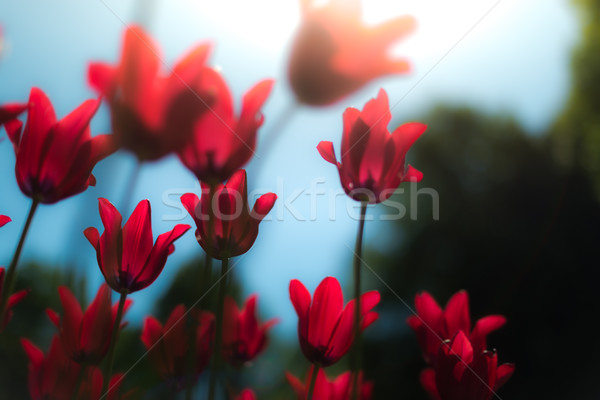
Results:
<point x="427" y="379"/>
<point x="4" y="220"/>
<point x="137" y="239"/>
<point x="504" y="372"/>
<point x="456" y="314"/>
<point x="300" y="297"/>
<point x="484" y="327"/>
<point x="264" y="204"/>
<point x="326" y="151"/>
<point x="325" y="311"/>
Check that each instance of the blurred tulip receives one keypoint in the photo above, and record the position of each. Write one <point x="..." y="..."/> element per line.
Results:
<point x="13" y="300"/>
<point x="373" y="160"/>
<point x="325" y="389"/>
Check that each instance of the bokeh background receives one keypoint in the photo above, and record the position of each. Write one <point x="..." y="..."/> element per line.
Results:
<point x="509" y="92"/>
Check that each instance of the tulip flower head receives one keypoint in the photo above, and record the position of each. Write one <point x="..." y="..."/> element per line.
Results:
<point x="373" y="162"/>
<point x="152" y="115"/>
<point x="222" y="142"/>
<point x="126" y="256"/>
<point x="235" y="227"/>
<point x="335" y="53"/>
<point x="325" y="326"/>
<point x="55" y="158"/>
<point x="463" y="373"/>
<point x="326" y="389"/>
<point x="433" y="325"/>
<point x="243" y="337"/>
<point x="13" y="300"/>
<point x="85" y="336"/>
<point x="169" y="344"/>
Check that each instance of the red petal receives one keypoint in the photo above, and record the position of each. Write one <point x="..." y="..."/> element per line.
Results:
<point x="412" y="175"/>
<point x="504" y="373"/>
<point x="54" y="317"/>
<point x="327" y="305"/>
<point x="70" y="328"/>
<point x="263" y="206"/>
<point x="4" y="220"/>
<point x="300" y="297"/>
<point x="484" y="327"/>
<point x="326" y="151"/>
<point x="427" y="379"/>
<point x="137" y="239"/>
<point x="11" y="111"/>
<point x="456" y="314"/>
<point x="101" y="77"/>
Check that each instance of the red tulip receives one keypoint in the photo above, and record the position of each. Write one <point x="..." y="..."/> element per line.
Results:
<point x="55" y="377"/>
<point x="152" y="115"/>
<point x="373" y="160"/>
<point x="11" y="111"/>
<point x="126" y="256"/>
<point x="55" y="158"/>
<point x="246" y="394"/>
<point x="434" y="325"/>
<point x="243" y="337"/>
<point x="335" y="53"/>
<point x="13" y="300"/>
<point x="325" y="389"/>
<point x="222" y="142"/>
<point x="4" y="219"/>
<point x="325" y="327"/>
<point x="169" y="345"/>
<point x="86" y="336"/>
<point x="235" y="228"/>
<point x="462" y="373"/>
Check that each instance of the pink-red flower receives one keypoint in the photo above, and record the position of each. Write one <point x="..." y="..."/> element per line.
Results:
<point x="152" y="115"/>
<point x="234" y="227"/>
<point x="169" y="345"/>
<point x="13" y="300"/>
<point x="246" y="394"/>
<point x="243" y="337"/>
<point x="126" y="256"/>
<point x="85" y="336"/>
<point x="335" y="53"/>
<point x="434" y="325"/>
<point x="55" y="158"/>
<point x="373" y="160"/>
<point x="55" y="376"/>
<point x="223" y="142"/>
<point x="462" y="373"/>
<point x="325" y="326"/>
<point x="326" y="389"/>
<point x="11" y="111"/>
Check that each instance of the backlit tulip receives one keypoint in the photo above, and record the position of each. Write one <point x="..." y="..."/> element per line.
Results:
<point x="55" y="158"/>
<point x="169" y="344"/>
<point x="13" y="300"/>
<point x="235" y="227"/>
<point x="126" y="256"/>
<point x="243" y="337"/>
<point x="152" y="115"/>
<point x="434" y="325"/>
<point x="462" y="373"/>
<point x="324" y="325"/>
<point x="325" y="389"/>
<point x="335" y="53"/>
<point x="85" y="336"/>
<point x="373" y="161"/>
<point x="223" y="142"/>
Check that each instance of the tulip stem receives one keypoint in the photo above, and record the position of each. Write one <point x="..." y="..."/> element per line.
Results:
<point x="356" y="350"/>
<point x="113" y="343"/>
<point x="79" y="382"/>
<point x="313" y="381"/>
<point x="219" y="330"/>
<point x="11" y="274"/>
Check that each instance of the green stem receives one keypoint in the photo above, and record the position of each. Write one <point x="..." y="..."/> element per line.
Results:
<point x="356" y="350"/>
<point x="219" y="331"/>
<point x="313" y="381"/>
<point x="11" y="274"/>
<point x="113" y="343"/>
<point x="79" y="382"/>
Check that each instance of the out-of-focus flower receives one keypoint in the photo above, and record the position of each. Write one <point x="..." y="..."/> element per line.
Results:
<point x="325" y="327"/>
<point x="55" y="376"/>
<point x="243" y="337"/>
<point x="335" y="53"/>
<point x="85" y="336"/>
<point x="55" y="158"/>
<point x="373" y="160"/>
<point x="434" y="325"/>
<point x="169" y="345"/>
<point x="152" y="115"/>
<point x="13" y="300"/>
<point x="336" y="389"/>
<point x="222" y="142"/>
<point x="4" y="219"/>
<point x="235" y="227"/>
<point x="126" y="256"/>
<point x="462" y="373"/>
<point x="11" y="111"/>
<point x="246" y="394"/>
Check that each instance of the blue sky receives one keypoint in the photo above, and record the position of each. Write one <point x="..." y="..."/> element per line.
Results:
<point x="515" y="60"/>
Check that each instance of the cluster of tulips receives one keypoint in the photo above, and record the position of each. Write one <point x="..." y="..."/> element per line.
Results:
<point x="190" y="112"/>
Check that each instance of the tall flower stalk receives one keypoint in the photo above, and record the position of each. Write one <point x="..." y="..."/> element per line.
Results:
<point x="217" y="356"/>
